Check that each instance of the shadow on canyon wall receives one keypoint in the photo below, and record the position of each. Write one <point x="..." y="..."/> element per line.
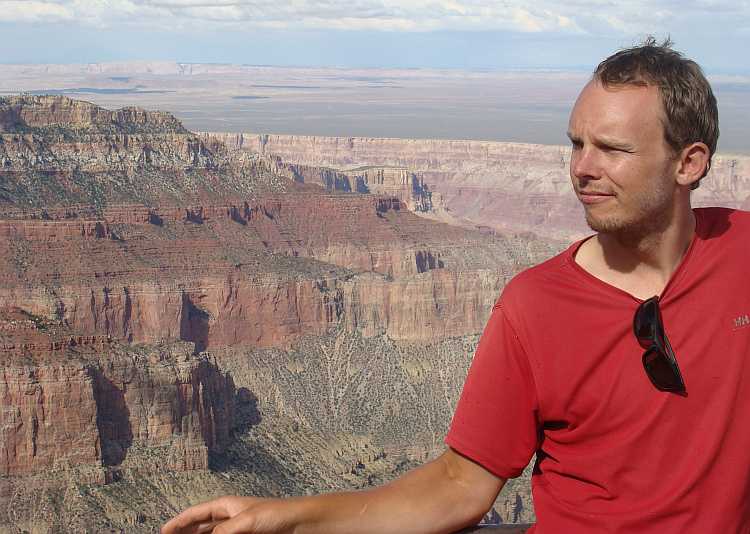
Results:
<point x="113" y="420"/>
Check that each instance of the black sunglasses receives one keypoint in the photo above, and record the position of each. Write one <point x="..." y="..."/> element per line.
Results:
<point x="658" y="360"/>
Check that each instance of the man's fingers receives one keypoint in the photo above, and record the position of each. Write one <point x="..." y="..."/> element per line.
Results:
<point x="198" y="519"/>
<point x="200" y="527"/>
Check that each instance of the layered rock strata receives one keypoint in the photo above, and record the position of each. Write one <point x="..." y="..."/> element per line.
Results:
<point x="407" y="186"/>
<point x="70" y="399"/>
<point x="119" y="225"/>
<point x="215" y="283"/>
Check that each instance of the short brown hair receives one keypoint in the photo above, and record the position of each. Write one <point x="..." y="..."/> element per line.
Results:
<point x="692" y="114"/>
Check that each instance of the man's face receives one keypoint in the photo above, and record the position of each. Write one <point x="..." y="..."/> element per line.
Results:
<point x="621" y="166"/>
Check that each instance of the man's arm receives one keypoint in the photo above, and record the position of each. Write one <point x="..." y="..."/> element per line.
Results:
<point x="442" y="496"/>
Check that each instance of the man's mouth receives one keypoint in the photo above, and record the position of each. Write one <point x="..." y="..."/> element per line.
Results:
<point x="590" y="196"/>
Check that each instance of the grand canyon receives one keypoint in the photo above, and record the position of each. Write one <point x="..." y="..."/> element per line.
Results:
<point x="185" y="315"/>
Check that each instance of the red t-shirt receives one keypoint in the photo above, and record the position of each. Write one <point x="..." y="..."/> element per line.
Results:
<point x="558" y="372"/>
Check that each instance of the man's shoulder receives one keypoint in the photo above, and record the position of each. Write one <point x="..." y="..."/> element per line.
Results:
<point x="718" y="221"/>
<point x="719" y="212"/>
<point x="539" y="278"/>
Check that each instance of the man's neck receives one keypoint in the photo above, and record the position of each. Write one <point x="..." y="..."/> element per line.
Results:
<point x="641" y="266"/>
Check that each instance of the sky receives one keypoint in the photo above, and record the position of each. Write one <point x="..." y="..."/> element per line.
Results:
<point x="452" y="34"/>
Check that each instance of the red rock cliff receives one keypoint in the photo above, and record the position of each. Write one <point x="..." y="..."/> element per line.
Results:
<point x="69" y="399"/>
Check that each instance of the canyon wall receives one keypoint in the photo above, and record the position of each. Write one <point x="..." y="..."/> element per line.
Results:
<point x="215" y="282"/>
<point x="407" y="186"/>
<point x="72" y="399"/>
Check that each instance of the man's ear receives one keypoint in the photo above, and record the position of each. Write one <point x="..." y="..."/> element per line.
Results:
<point x="692" y="163"/>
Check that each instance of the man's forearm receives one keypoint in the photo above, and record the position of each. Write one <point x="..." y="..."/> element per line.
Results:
<point x="442" y="496"/>
<point x="439" y="497"/>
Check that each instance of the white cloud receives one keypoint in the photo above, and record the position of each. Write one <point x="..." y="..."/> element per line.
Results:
<point x="33" y="11"/>
<point x="567" y="17"/>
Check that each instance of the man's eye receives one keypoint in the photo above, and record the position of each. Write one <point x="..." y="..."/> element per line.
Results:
<point x="608" y="148"/>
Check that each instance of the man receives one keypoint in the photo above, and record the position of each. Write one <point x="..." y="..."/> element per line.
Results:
<point x="635" y="430"/>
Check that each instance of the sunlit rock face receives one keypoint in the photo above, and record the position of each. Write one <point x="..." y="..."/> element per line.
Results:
<point x="70" y="399"/>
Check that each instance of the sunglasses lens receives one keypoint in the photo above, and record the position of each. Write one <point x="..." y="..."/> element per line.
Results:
<point x="659" y="369"/>
<point x="645" y="321"/>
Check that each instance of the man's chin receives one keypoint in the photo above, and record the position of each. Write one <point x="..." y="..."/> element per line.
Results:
<point x="620" y="230"/>
<point x="597" y="224"/>
<point x="604" y="225"/>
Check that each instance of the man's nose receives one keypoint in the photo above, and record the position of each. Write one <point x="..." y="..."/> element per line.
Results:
<point x="584" y="164"/>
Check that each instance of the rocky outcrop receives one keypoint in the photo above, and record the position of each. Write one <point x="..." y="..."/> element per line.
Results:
<point x="417" y="154"/>
<point x="143" y="232"/>
<point x="407" y="186"/>
<point x="49" y="160"/>
<point x="69" y="399"/>
<point x="727" y="183"/>
<point x="49" y="415"/>
<point x="41" y="112"/>
<point x="439" y="304"/>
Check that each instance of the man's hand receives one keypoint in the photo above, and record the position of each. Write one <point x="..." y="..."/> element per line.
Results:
<point x="442" y="496"/>
<point x="247" y="514"/>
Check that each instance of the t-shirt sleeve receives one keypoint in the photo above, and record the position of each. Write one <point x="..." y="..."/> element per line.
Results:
<point x="496" y="421"/>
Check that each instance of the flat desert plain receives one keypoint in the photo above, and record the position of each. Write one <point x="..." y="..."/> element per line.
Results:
<point x="527" y="107"/>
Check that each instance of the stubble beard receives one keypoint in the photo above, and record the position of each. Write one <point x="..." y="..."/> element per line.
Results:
<point x="649" y="215"/>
